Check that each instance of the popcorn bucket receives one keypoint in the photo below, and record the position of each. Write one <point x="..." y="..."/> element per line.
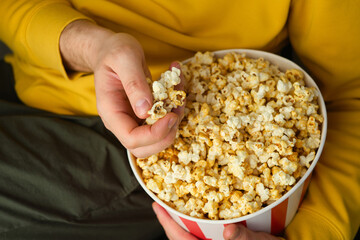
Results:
<point x="273" y="218"/>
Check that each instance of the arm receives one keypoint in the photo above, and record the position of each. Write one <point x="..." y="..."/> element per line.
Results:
<point x="116" y="59"/>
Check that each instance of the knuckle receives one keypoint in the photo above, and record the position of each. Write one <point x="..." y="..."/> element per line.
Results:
<point x="127" y="49"/>
<point x="106" y="125"/>
<point x="123" y="52"/>
<point x="158" y="136"/>
<point x="130" y="144"/>
<point x="245" y="235"/>
<point x="103" y="119"/>
<point x="132" y="86"/>
<point x="115" y="55"/>
<point x="169" y="140"/>
<point x="140" y="154"/>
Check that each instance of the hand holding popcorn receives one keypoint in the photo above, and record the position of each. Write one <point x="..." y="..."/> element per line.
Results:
<point x="165" y="96"/>
<point x="123" y="95"/>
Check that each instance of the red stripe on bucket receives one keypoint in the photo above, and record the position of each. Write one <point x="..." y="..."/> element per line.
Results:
<point x="243" y="223"/>
<point x="278" y="217"/>
<point x="305" y="187"/>
<point x="194" y="228"/>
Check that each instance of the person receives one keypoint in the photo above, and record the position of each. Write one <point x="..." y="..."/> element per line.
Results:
<point x="75" y="60"/>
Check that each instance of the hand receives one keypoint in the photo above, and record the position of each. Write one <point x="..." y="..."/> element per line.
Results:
<point x="173" y="230"/>
<point x="231" y="232"/>
<point x="124" y="97"/>
<point x="122" y="92"/>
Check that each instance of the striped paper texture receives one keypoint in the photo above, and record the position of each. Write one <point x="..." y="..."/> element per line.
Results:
<point x="273" y="221"/>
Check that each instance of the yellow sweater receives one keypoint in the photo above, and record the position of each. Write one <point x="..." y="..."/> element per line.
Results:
<point x="325" y="35"/>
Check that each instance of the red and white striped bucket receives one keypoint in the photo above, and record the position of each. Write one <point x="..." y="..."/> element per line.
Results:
<point x="273" y="218"/>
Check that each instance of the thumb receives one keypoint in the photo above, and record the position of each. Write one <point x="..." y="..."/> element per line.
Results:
<point x="132" y="74"/>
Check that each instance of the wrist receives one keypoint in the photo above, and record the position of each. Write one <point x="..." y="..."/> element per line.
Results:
<point x="80" y="43"/>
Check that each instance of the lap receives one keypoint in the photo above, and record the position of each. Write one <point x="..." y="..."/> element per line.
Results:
<point x="67" y="177"/>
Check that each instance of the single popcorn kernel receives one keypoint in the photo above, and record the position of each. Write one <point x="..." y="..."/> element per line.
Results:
<point x="157" y="111"/>
<point x="165" y="96"/>
<point x="249" y="133"/>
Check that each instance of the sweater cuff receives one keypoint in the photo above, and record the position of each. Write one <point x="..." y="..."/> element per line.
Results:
<point x="44" y="30"/>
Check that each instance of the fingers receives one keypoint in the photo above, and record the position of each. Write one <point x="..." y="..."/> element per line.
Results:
<point x="124" y="97"/>
<point x="232" y="232"/>
<point x="172" y="229"/>
<point x="146" y="151"/>
<point x="116" y="115"/>
<point x="146" y="140"/>
<point x="132" y="72"/>
<point x="240" y="232"/>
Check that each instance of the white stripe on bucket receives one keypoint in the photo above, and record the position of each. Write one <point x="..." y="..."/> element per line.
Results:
<point x="293" y="204"/>
<point x="177" y="219"/>
<point x="260" y="223"/>
<point x="212" y="231"/>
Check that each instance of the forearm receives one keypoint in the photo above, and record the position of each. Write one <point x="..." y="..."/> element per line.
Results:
<point x="79" y="42"/>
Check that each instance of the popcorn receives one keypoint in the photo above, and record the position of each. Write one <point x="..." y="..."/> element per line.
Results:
<point x="157" y="111"/>
<point x="288" y="166"/>
<point x="248" y="135"/>
<point x="283" y="87"/>
<point x="281" y="178"/>
<point x="306" y="160"/>
<point x="165" y="96"/>
<point x="211" y="181"/>
<point x="153" y="186"/>
<point x="262" y="192"/>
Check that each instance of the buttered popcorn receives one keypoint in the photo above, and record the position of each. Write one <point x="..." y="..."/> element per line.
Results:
<point x="249" y="134"/>
<point x="165" y="96"/>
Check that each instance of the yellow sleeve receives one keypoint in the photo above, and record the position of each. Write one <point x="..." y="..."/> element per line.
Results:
<point x="32" y="28"/>
<point x="325" y="35"/>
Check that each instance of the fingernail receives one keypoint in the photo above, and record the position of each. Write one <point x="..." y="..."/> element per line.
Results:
<point x="172" y="122"/>
<point x="142" y="107"/>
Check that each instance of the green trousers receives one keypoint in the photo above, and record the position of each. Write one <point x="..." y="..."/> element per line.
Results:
<point x="65" y="177"/>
